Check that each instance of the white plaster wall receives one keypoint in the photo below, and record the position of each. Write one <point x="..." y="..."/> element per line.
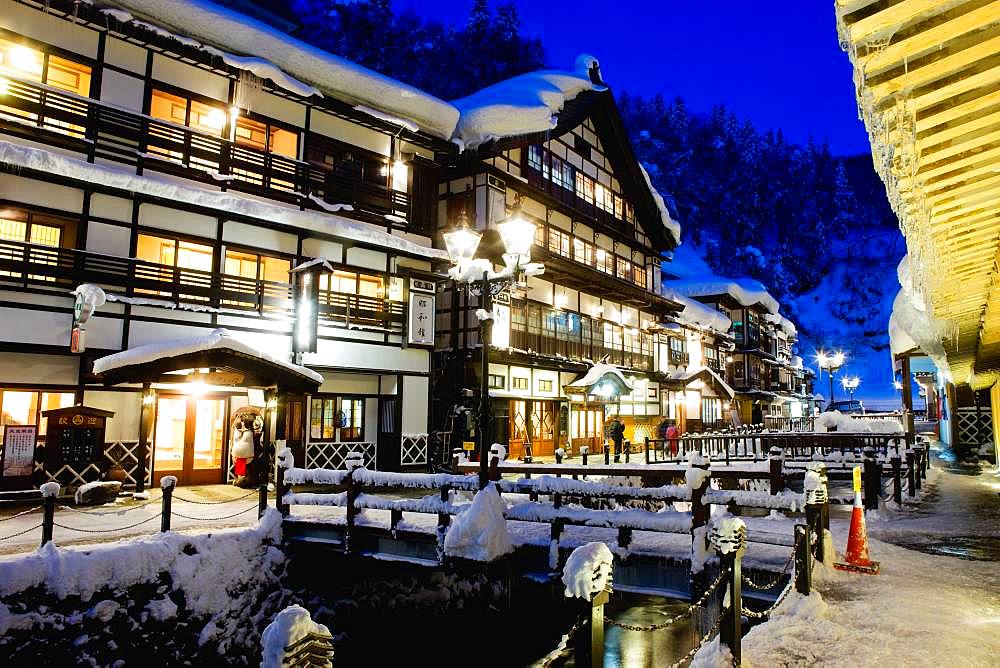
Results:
<point x="272" y="106"/>
<point x="190" y="78"/>
<point x="253" y="236"/>
<point x="331" y="250"/>
<point x="39" y="369"/>
<point x="122" y="90"/>
<point x="104" y="333"/>
<point x="109" y="239"/>
<point x="26" y="326"/>
<point x="48" y="28"/>
<point x="161" y="217"/>
<point x="337" y="128"/>
<point x="33" y="191"/>
<point x="363" y="257"/>
<point x="113" y="208"/>
<point x="124" y="426"/>
<point x="365" y="356"/>
<point x="348" y="383"/>
<point x="128" y="56"/>
<point x="415" y="391"/>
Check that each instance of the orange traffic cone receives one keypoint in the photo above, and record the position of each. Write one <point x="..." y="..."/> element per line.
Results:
<point x="856" y="557"/>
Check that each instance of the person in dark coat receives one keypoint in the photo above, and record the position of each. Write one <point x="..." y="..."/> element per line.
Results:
<point x="617" y="435"/>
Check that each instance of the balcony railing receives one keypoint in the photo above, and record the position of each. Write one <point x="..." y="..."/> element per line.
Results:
<point x="579" y="350"/>
<point x="679" y="358"/>
<point x="30" y="265"/>
<point x="112" y="133"/>
<point x="714" y="364"/>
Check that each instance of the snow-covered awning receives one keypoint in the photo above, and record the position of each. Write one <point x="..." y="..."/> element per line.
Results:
<point x="705" y="374"/>
<point x="247" y="366"/>
<point x="699" y="315"/>
<point x="601" y="380"/>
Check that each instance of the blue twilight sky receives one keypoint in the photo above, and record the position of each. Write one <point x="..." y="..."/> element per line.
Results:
<point x="778" y="64"/>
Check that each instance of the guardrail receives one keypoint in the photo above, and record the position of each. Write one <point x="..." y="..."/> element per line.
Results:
<point x="756" y="446"/>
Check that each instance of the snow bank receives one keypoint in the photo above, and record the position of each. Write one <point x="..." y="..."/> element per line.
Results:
<point x="121" y="178"/>
<point x="746" y="291"/>
<point x="698" y="314"/>
<point x="673" y="227"/>
<point x="588" y="571"/>
<point x="215" y="340"/>
<point x="480" y="533"/>
<point x="289" y="626"/>
<point x="520" y="105"/>
<point x="837" y="421"/>
<point x="270" y="53"/>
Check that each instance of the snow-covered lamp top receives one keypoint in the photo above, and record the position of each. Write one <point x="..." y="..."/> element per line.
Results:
<point x="517" y="234"/>
<point x="462" y="243"/>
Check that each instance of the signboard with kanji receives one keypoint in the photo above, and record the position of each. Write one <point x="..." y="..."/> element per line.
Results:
<point x="19" y="450"/>
<point x="420" y="331"/>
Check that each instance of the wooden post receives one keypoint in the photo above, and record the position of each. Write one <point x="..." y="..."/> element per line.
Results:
<point x="148" y="398"/>
<point x="584" y="451"/>
<point x="280" y="488"/>
<point x="624" y="537"/>
<point x="352" y="511"/>
<point x="627" y="445"/>
<point x="776" y="460"/>
<point x="926" y="461"/>
<point x="647" y="450"/>
<point x="911" y="485"/>
<point x="803" y="559"/>
<point x="50" y="490"/>
<point x="262" y="499"/>
<point x="494" y="470"/>
<point x="872" y="482"/>
<point x="897" y="481"/>
<point x="559" y="456"/>
<point x="607" y="455"/>
<point x="918" y="463"/>
<point x="730" y="543"/>
<point x="444" y="519"/>
<point x="167" y="484"/>
<point x="818" y="507"/>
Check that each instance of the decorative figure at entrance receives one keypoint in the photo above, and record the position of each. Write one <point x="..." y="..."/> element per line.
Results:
<point x="245" y="447"/>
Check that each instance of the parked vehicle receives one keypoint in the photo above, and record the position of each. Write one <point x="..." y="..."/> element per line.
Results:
<point x="849" y="406"/>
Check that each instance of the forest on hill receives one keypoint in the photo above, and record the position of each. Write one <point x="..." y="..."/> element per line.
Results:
<point x="815" y="228"/>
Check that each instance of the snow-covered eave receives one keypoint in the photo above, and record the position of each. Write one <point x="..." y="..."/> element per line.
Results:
<point x="714" y="287"/>
<point x="119" y="178"/>
<point x="692" y="374"/>
<point x="599" y="371"/>
<point x="249" y="44"/>
<point x="672" y="226"/>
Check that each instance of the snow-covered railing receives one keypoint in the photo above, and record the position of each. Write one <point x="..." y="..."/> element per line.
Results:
<point x="805" y="446"/>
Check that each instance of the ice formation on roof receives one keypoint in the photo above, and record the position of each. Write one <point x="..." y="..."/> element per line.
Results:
<point x="216" y="339"/>
<point x="668" y="222"/>
<point x="123" y="178"/>
<point x="270" y="53"/>
<point x="912" y="326"/>
<point x="520" y="105"/>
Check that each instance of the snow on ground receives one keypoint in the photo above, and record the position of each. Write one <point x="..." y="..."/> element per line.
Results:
<point x="921" y="610"/>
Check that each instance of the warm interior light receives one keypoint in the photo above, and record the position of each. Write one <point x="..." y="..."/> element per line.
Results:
<point x="196" y="388"/>
<point x="462" y="243"/>
<point x="214" y="119"/>
<point x="3" y="86"/>
<point x="23" y="58"/>
<point x="517" y="235"/>
<point x="561" y="300"/>
<point x="400" y="172"/>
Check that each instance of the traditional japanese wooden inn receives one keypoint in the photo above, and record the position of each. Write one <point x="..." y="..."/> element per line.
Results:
<point x="595" y="336"/>
<point x="246" y="223"/>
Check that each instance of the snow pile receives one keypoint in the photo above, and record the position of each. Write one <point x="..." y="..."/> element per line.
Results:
<point x="782" y="323"/>
<point x="520" y="105"/>
<point x="289" y="626"/>
<point x="745" y="291"/>
<point x="218" y="574"/>
<point x="217" y="339"/>
<point x="698" y="314"/>
<point x="480" y="533"/>
<point x="275" y="53"/>
<point x="911" y="325"/>
<point x="96" y="490"/>
<point x="837" y="421"/>
<point x="121" y="178"/>
<point x="668" y="222"/>
<point x="588" y="571"/>
<point x="49" y="489"/>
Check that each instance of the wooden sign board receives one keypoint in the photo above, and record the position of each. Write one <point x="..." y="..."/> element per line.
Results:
<point x="18" y="459"/>
<point x="468" y="446"/>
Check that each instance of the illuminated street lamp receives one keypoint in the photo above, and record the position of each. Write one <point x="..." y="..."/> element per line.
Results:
<point x="831" y="362"/>
<point x="517" y="235"/>
<point x="850" y="384"/>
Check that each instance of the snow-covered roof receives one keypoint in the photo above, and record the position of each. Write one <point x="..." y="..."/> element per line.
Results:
<point x="782" y="323"/>
<point x="217" y="339"/>
<point x="745" y="291"/>
<point x="597" y="372"/>
<point x="685" y="375"/>
<point x="520" y="105"/>
<point x="912" y="326"/>
<point x="27" y="157"/>
<point x="699" y="315"/>
<point x="672" y="225"/>
<point x="289" y="62"/>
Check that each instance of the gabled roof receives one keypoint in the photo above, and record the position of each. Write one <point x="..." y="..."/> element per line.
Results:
<point x="556" y="103"/>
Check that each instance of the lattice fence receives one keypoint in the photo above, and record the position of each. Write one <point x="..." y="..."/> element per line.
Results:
<point x="413" y="449"/>
<point x="976" y="428"/>
<point x="74" y="474"/>
<point x="331" y="455"/>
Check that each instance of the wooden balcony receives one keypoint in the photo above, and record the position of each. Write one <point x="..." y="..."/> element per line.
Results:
<point x="579" y="350"/>
<point x="38" y="267"/>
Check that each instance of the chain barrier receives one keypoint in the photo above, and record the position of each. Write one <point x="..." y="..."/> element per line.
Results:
<point x="214" y="503"/>
<point x="23" y="512"/>
<point x="705" y="639"/>
<point x="20" y="533"/>
<point x="771" y="585"/>
<point x="687" y="611"/>
<point x="213" y="519"/>
<point x="562" y="645"/>
<point x="120" y="511"/>
<point x="105" y="530"/>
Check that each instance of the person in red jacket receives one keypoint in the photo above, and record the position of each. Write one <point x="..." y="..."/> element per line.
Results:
<point x="673" y="435"/>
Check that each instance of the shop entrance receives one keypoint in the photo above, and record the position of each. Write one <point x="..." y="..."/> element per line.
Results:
<point x="189" y="437"/>
<point x="534" y="422"/>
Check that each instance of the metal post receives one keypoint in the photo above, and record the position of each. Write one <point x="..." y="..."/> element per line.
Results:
<point x="911" y="485"/>
<point x="167" y="485"/>
<point x="50" y="491"/>
<point x="262" y="499"/>
<point x="803" y="559"/>
<point x="897" y="481"/>
<point x="486" y="337"/>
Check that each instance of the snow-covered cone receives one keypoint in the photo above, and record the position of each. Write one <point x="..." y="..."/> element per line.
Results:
<point x="480" y="532"/>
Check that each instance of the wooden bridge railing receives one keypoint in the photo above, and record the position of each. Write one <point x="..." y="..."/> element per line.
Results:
<point x="832" y="447"/>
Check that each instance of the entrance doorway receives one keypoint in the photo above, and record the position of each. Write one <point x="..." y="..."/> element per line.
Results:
<point x="189" y="439"/>
<point x="534" y="423"/>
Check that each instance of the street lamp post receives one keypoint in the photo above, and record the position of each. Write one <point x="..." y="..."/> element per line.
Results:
<point x="832" y="363"/>
<point x="517" y="235"/>
<point x="850" y="384"/>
